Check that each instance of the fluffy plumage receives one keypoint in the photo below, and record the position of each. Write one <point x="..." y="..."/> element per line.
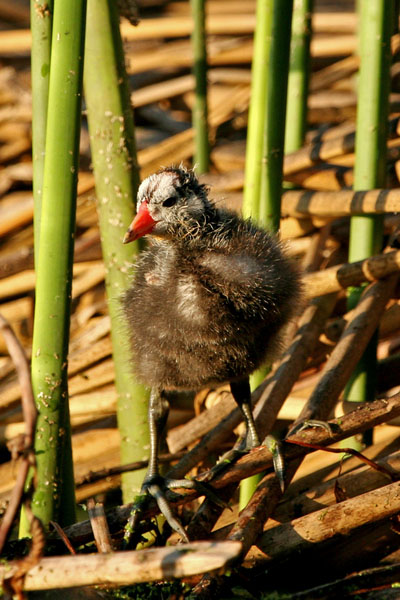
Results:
<point x="210" y="294"/>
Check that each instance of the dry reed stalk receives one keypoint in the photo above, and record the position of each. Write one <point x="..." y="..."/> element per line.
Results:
<point x="389" y="323"/>
<point x="341" y="276"/>
<point x="333" y="73"/>
<point x="358" y="481"/>
<point x="126" y="568"/>
<point x="323" y="178"/>
<point x="298" y="203"/>
<point x="300" y="535"/>
<point x="98" y="520"/>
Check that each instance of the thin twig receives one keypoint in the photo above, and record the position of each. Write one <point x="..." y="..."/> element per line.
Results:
<point x="352" y="452"/>
<point x="19" y="568"/>
<point x="19" y="358"/>
<point x="62" y="535"/>
<point x="24" y="449"/>
<point x="94" y="476"/>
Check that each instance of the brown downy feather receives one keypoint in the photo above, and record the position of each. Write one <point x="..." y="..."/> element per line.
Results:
<point x="210" y="296"/>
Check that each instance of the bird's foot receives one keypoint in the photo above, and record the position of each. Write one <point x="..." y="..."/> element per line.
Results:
<point x="242" y="447"/>
<point x="156" y="487"/>
<point x="274" y="445"/>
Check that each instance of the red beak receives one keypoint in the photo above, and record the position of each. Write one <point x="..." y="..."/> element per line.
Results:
<point x="143" y="223"/>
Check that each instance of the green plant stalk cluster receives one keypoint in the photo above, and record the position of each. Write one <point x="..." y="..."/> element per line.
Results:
<point x="53" y="498"/>
<point x="41" y="22"/>
<point x="299" y="68"/>
<point x="376" y="22"/>
<point x="117" y="177"/>
<point x="200" y="112"/>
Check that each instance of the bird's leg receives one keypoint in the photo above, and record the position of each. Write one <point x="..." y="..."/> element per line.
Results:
<point x="154" y="484"/>
<point x="242" y="395"/>
<point x="158" y="414"/>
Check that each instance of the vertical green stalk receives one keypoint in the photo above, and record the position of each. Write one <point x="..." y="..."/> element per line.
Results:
<point x="201" y="156"/>
<point x="117" y="177"/>
<point x="269" y="176"/>
<point x="54" y="498"/>
<point x="257" y="109"/>
<point x="376" y="23"/>
<point x="41" y="20"/>
<point x="299" y="68"/>
<point x="41" y="23"/>
<point x="274" y="125"/>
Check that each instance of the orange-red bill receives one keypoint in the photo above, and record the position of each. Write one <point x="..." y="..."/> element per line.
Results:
<point x="143" y="223"/>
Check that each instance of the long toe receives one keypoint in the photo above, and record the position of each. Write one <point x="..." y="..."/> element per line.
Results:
<point x="158" y="493"/>
<point x="200" y="486"/>
<point x="226" y="461"/>
<point x="156" y="487"/>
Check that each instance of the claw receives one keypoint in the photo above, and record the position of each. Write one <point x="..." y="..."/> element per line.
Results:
<point x="275" y="447"/>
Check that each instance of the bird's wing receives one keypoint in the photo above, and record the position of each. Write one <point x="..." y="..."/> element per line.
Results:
<point x="238" y="277"/>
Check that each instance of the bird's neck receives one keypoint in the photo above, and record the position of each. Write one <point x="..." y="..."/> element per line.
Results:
<point x="197" y="234"/>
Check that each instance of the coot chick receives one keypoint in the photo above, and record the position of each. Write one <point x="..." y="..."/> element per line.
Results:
<point x="209" y="299"/>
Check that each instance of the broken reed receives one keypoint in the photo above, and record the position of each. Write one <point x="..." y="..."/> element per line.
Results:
<point x="54" y="498"/>
<point x="116" y="174"/>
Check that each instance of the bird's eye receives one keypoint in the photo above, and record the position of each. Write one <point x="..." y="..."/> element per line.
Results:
<point x="169" y="201"/>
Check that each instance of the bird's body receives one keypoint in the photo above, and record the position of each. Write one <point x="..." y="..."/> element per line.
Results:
<point x="208" y="302"/>
<point x="207" y="308"/>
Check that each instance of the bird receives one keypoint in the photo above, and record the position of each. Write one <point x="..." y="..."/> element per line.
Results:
<point x="209" y="299"/>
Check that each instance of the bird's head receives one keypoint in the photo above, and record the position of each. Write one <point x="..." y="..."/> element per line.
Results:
<point x="169" y="203"/>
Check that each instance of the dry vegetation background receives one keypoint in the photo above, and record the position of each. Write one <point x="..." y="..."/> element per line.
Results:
<point x="158" y="58"/>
